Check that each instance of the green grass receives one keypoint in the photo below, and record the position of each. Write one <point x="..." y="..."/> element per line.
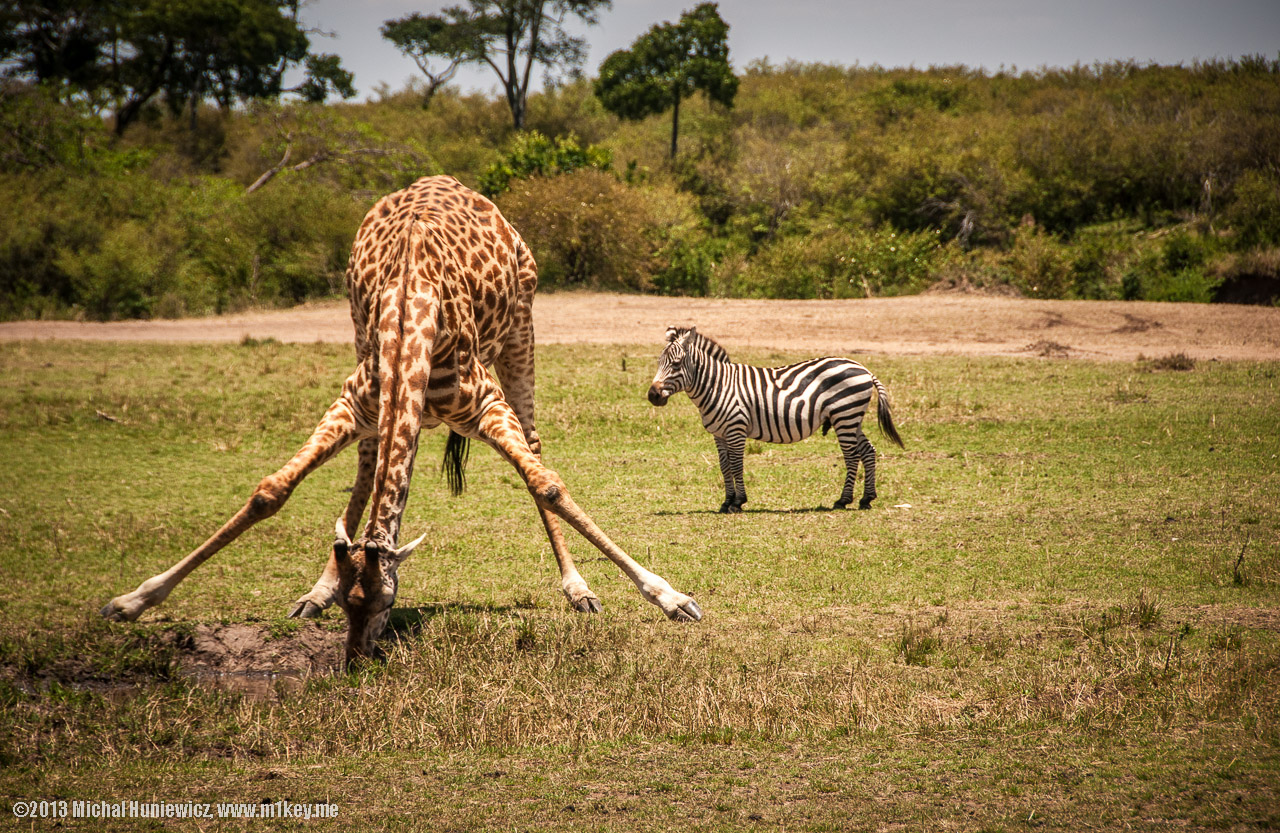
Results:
<point x="1073" y="624"/>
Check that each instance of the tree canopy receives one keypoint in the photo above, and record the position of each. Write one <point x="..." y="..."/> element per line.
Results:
<point x="426" y="38"/>
<point x="510" y="36"/>
<point x="123" y="55"/>
<point x="667" y="64"/>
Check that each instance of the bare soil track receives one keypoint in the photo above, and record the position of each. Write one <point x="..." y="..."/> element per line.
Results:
<point x="930" y="324"/>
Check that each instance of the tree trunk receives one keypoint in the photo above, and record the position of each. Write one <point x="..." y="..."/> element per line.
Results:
<point x="675" y="123"/>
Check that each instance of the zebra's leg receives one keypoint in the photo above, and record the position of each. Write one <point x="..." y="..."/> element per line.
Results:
<point x="852" y="445"/>
<point x="735" y="491"/>
<point x="868" y="453"/>
<point x="726" y="472"/>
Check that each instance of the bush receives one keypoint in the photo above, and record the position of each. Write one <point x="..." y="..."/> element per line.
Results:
<point x="1254" y="212"/>
<point x="838" y="262"/>
<point x="1176" y="272"/>
<point x="532" y="154"/>
<point x="588" y="230"/>
<point x="1040" y="263"/>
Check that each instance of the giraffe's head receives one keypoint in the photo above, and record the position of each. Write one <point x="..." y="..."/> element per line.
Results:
<point x="367" y="584"/>
<point x="670" y="376"/>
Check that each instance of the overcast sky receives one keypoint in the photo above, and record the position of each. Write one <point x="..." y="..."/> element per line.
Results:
<point x="1027" y="34"/>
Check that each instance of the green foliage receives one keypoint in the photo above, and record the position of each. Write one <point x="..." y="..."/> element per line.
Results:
<point x="1111" y="181"/>
<point x="587" y="229"/>
<point x="511" y="38"/>
<point x="132" y="52"/>
<point x="838" y="262"/>
<point x="425" y="38"/>
<point x="1177" y="271"/>
<point x="533" y="154"/>
<point x="667" y="64"/>
<point x="1254" y="213"/>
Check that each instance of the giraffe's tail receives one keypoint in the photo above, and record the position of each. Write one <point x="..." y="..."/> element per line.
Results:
<point x="454" y="465"/>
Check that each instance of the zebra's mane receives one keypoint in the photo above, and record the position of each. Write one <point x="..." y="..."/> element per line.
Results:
<point x="707" y="346"/>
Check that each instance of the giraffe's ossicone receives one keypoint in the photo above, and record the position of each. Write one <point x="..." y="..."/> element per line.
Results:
<point x="441" y="289"/>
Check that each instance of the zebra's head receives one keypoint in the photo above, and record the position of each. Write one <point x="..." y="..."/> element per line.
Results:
<point x="670" y="377"/>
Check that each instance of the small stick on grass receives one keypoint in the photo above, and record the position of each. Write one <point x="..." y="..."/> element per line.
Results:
<point x="1235" y="571"/>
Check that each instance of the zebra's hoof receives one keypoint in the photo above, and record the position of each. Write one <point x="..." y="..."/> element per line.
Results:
<point x="841" y="504"/>
<point x="865" y="503"/>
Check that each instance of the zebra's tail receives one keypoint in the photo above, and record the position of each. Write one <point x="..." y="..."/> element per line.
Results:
<point x="883" y="413"/>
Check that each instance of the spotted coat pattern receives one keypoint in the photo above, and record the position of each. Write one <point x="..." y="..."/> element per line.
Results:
<point x="441" y="289"/>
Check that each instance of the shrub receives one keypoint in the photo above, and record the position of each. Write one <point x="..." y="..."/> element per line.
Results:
<point x="532" y="154"/>
<point x="589" y="230"/>
<point x="1254" y="212"/>
<point x="1040" y="263"/>
<point x="1176" y="272"/>
<point x="838" y="262"/>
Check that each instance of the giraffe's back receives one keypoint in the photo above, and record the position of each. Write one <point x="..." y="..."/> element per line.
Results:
<point x="486" y="270"/>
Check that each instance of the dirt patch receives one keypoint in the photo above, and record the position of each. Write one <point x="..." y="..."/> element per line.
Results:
<point x="1134" y="324"/>
<point x="1049" y="349"/>
<point x="932" y="324"/>
<point x="252" y="648"/>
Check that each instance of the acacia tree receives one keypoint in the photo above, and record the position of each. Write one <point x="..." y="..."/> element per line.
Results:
<point x="668" y="64"/>
<point x="126" y="53"/>
<point x="510" y="36"/>
<point x="423" y="39"/>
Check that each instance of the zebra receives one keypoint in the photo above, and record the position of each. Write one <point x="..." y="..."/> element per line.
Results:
<point x="775" y="404"/>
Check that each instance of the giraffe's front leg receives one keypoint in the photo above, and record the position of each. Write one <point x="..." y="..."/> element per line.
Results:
<point x="336" y="430"/>
<point x="514" y="367"/>
<point x="325" y="591"/>
<point x="500" y="428"/>
<point x="572" y="584"/>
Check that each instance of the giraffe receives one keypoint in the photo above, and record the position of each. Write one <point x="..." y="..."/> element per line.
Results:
<point x="441" y="288"/>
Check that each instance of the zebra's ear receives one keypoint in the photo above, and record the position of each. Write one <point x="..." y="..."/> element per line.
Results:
<point x="672" y="332"/>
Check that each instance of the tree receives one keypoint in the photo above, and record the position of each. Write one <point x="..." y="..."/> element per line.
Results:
<point x="510" y="36"/>
<point x="668" y="64"/>
<point x="424" y="38"/>
<point x="126" y="53"/>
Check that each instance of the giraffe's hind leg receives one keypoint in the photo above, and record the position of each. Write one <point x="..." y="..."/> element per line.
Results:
<point x="335" y="432"/>
<point x="325" y="591"/>
<point x="515" y="371"/>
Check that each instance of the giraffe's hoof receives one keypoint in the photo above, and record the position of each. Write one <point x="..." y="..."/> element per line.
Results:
<point x="686" y="612"/>
<point x="587" y="604"/>
<point x="306" y="609"/>
<point x="115" y="612"/>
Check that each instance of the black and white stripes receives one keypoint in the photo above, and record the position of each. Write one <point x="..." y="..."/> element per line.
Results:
<point x="739" y="402"/>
